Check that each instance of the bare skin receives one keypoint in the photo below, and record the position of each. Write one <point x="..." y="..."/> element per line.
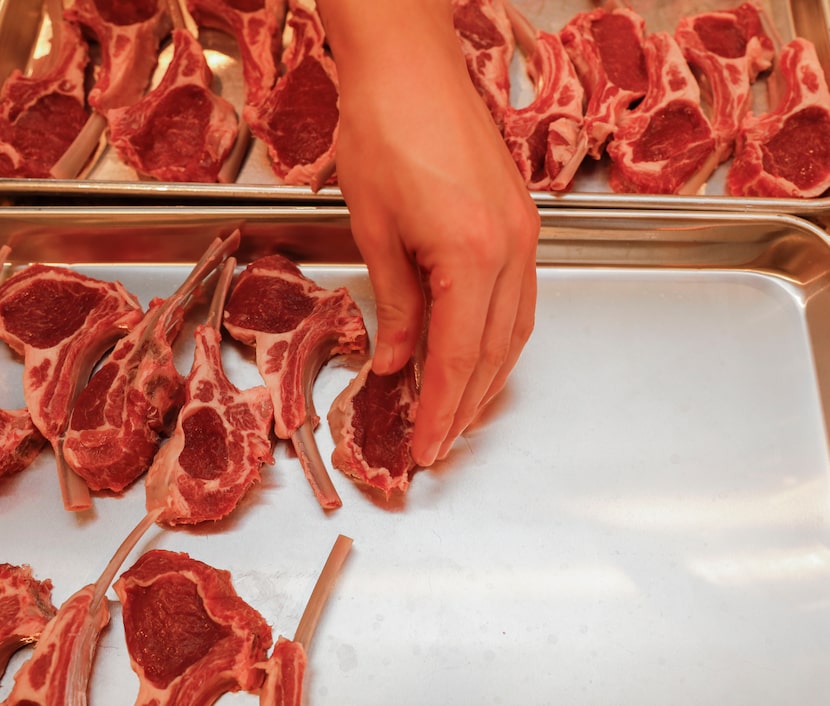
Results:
<point x="438" y="209"/>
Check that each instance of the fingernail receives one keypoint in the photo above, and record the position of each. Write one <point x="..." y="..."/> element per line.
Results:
<point x="382" y="360"/>
<point x="429" y="456"/>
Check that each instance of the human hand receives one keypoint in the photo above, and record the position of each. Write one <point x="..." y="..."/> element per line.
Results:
<point x="439" y="211"/>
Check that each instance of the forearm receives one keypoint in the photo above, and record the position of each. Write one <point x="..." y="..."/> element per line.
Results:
<point x="388" y="37"/>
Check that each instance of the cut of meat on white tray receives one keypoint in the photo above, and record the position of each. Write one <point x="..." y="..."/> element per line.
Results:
<point x="25" y="609"/>
<point x="606" y="49"/>
<point x="43" y="112"/>
<point x="20" y="440"/>
<point x="786" y="152"/>
<point x="256" y="25"/>
<point x="371" y="422"/>
<point x="298" y="119"/>
<point x="486" y="38"/>
<point x="729" y="49"/>
<point x="128" y="35"/>
<point x="286" y="666"/>
<point x="666" y="144"/>
<point x="181" y="130"/>
<point x="60" y="667"/>
<point x="222" y="436"/>
<point x="295" y="326"/>
<point x="546" y="137"/>
<point x="133" y="398"/>
<point x="61" y="322"/>
<point x="190" y="637"/>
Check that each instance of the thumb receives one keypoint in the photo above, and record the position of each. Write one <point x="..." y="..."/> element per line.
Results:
<point x="399" y="302"/>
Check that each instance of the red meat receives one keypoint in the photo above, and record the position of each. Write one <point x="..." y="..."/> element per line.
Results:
<point x="606" y="48"/>
<point x="285" y="671"/>
<point x="296" y="326"/>
<point x="25" y="609"/>
<point x="221" y="440"/>
<point x="483" y="29"/>
<point x="191" y="638"/>
<point x="256" y="25"/>
<point x="298" y="119"/>
<point x="181" y="130"/>
<point x="371" y="422"/>
<point x="546" y="137"/>
<point x="20" y="441"/>
<point x="129" y="34"/>
<point x="61" y="322"/>
<point x="786" y="151"/>
<point x="59" y="669"/>
<point x="116" y="425"/>
<point x="666" y="145"/>
<point x="729" y="49"/>
<point x="41" y="114"/>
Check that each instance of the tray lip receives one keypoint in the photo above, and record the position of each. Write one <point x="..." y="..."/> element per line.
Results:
<point x="144" y="190"/>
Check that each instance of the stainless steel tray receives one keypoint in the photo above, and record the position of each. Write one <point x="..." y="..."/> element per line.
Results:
<point x="20" y="32"/>
<point x="641" y="518"/>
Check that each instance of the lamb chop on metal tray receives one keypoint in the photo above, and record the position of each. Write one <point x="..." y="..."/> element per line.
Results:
<point x="118" y="420"/>
<point x="61" y="322"/>
<point x="295" y="326"/>
<point x="222" y="436"/>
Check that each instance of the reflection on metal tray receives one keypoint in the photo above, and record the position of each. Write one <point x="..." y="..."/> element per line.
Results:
<point x="109" y="178"/>
<point x="641" y="518"/>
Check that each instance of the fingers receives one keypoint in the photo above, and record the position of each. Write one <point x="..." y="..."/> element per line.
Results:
<point x="399" y="298"/>
<point x="509" y="324"/>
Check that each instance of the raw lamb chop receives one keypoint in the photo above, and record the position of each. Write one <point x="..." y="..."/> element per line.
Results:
<point x="729" y="49"/>
<point x="181" y="130"/>
<point x="116" y="425"/>
<point x="41" y="114"/>
<point x="286" y="665"/>
<point x="786" y="152"/>
<point x="62" y="322"/>
<point x="483" y="29"/>
<point x="666" y="145"/>
<point x="546" y="137"/>
<point x="20" y="441"/>
<point x="59" y="669"/>
<point x="256" y="25"/>
<point x="191" y="638"/>
<point x="129" y="34"/>
<point x="222" y="435"/>
<point x="25" y="609"/>
<point x="371" y="422"/>
<point x="606" y="49"/>
<point x="295" y="326"/>
<point x="299" y="117"/>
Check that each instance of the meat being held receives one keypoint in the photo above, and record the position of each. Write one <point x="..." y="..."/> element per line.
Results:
<point x="181" y="130"/>
<point x="299" y="117"/>
<point x="606" y="49"/>
<point x="41" y="114"/>
<point x="191" y="638"/>
<point x="25" y="609"/>
<point x="295" y="326"/>
<point x="371" y="422"/>
<point x="62" y="322"/>
<point x="486" y="38"/>
<point x="785" y="152"/>
<point x="729" y="49"/>
<point x="117" y="422"/>
<point x="222" y="436"/>
<point x="546" y="137"/>
<point x="665" y="145"/>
